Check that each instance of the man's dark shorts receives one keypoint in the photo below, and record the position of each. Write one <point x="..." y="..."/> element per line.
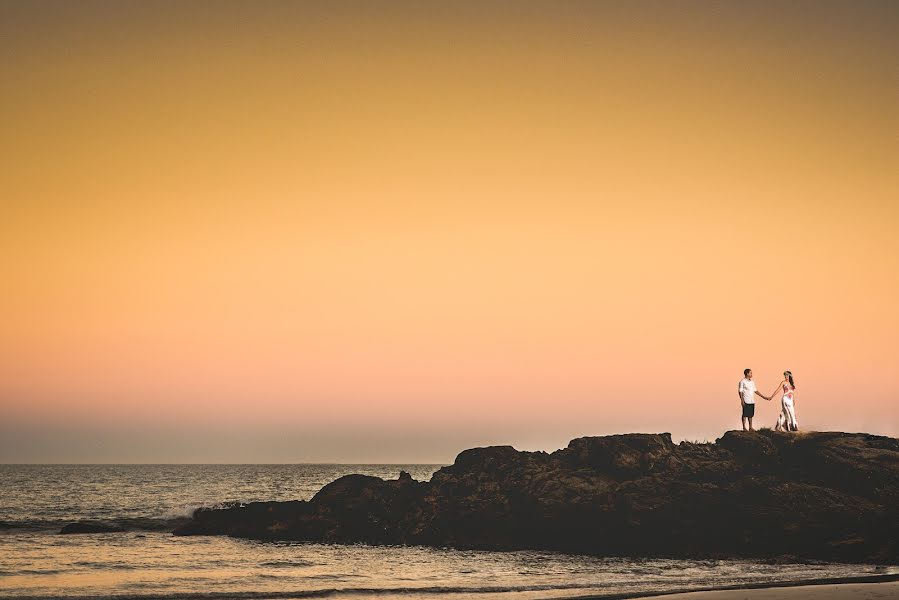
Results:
<point x="749" y="410"/>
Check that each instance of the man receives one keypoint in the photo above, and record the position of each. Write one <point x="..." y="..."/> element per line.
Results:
<point x="747" y="392"/>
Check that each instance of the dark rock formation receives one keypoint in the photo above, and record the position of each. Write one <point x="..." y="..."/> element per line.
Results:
<point x="91" y="527"/>
<point x="830" y="496"/>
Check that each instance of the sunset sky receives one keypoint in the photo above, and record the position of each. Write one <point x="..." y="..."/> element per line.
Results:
<point x="389" y="231"/>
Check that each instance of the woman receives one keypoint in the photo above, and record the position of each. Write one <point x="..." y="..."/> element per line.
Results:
<point x="787" y="419"/>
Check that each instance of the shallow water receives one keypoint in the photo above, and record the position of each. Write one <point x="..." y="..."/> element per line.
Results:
<point x="147" y="562"/>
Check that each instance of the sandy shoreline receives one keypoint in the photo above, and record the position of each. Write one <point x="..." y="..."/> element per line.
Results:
<point x="852" y="588"/>
<point x="838" y="591"/>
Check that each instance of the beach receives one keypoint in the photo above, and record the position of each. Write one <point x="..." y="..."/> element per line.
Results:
<point x="882" y="585"/>
<point x="843" y="591"/>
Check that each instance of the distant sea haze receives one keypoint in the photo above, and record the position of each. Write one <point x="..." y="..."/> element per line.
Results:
<point x="146" y="562"/>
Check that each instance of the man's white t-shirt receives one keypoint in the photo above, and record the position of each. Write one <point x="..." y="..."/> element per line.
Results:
<point x="747" y="390"/>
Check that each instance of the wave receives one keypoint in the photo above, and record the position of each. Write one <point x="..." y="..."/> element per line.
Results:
<point x="168" y="520"/>
<point x="31" y="525"/>
<point x="125" y="523"/>
<point x="331" y="592"/>
<point x="286" y="563"/>
<point x="187" y="511"/>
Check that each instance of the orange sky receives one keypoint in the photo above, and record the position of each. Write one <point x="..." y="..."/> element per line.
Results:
<point x="278" y="232"/>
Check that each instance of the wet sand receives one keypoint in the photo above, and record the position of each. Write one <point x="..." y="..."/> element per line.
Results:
<point x="842" y="591"/>
<point x="872" y="587"/>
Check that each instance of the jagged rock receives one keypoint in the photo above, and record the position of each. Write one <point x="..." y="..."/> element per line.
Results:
<point x="628" y="455"/>
<point x="831" y="496"/>
<point x="90" y="527"/>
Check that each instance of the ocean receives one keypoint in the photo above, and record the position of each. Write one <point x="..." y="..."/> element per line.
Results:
<point x="146" y="562"/>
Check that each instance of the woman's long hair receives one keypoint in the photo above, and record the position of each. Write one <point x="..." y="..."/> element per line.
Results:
<point x="790" y="377"/>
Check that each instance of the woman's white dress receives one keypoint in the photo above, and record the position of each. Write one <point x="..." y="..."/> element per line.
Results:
<point x="787" y="418"/>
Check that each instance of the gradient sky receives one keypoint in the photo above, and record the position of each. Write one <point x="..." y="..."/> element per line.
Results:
<point x="388" y="231"/>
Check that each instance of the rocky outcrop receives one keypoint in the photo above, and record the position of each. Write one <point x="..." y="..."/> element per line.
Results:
<point x="90" y="527"/>
<point x="830" y="496"/>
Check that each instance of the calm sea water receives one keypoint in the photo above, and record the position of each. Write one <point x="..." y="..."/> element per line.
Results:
<point x="146" y="562"/>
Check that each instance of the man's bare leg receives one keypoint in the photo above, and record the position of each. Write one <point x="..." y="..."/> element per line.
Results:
<point x="744" y="423"/>
<point x="750" y="424"/>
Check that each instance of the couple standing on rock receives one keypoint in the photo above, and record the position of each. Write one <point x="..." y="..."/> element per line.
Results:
<point x="747" y="391"/>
